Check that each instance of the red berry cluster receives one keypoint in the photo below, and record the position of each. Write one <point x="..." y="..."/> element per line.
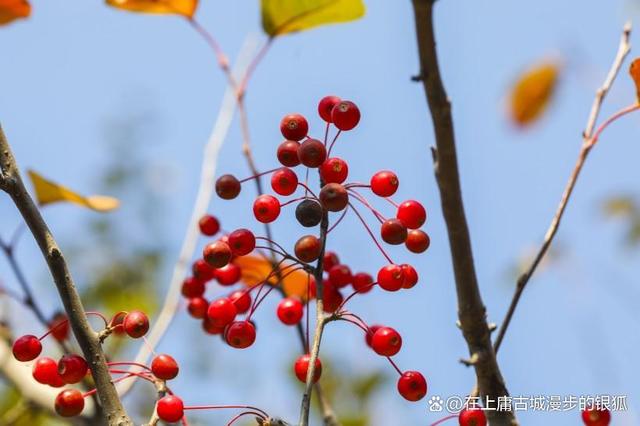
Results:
<point x="336" y="195"/>
<point x="72" y="368"/>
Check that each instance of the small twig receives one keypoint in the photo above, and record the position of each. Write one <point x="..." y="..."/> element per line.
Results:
<point x="589" y="141"/>
<point x="203" y="199"/>
<point x="320" y="323"/>
<point x="86" y="337"/>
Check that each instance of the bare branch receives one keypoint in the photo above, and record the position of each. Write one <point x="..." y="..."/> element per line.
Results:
<point x="201" y="204"/>
<point x="471" y="310"/>
<point x="85" y="335"/>
<point x="320" y="323"/>
<point x="589" y="140"/>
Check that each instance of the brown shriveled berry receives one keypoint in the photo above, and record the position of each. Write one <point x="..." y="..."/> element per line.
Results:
<point x="309" y="213"/>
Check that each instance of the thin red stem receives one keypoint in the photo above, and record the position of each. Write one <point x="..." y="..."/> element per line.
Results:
<point x="453" y="416"/>
<point x="394" y="365"/>
<point x="245" y="413"/>
<point x="344" y="302"/>
<point x="224" y="407"/>
<point x="337" y="222"/>
<point x="612" y="118"/>
<point x="333" y="142"/>
<point x="366" y="203"/>
<point x="66" y="321"/>
<point x="257" y="175"/>
<point x="375" y="240"/>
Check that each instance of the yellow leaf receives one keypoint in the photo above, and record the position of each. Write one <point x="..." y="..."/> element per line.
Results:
<point x="48" y="192"/>
<point x="11" y="10"/>
<point x="164" y="7"/>
<point x="256" y="269"/>
<point x="532" y="92"/>
<point x="287" y="16"/>
<point x="634" y="70"/>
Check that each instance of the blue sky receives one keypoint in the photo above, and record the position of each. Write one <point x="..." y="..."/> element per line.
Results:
<point x="72" y="67"/>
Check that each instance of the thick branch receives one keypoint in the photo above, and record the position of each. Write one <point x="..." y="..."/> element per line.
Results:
<point x="86" y="337"/>
<point x="589" y="140"/>
<point x="471" y="310"/>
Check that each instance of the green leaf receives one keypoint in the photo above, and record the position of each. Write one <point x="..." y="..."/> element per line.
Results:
<point x="287" y="16"/>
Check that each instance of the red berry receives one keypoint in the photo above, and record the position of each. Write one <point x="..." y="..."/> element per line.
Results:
<point x="192" y="287"/>
<point x="312" y="153"/>
<point x="116" y="323"/>
<point x="209" y="327"/>
<point x="209" y="225"/>
<point x="217" y="254"/>
<point x="266" y="208"/>
<point x="596" y="416"/>
<point x="56" y="381"/>
<point x="302" y="365"/>
<point x="288" y="153"/>
<point x="290" y="310"/>
<point x="69" y="403"/>
<point x="242" y="300"/>
<point x="240" y="334"/>
<point x="228" y="274"/>
<point x="221" y="312"/>
<point x="412" y="214"/>
<point x="410" y="276"/>
<point x="331" y="298"/>
<point x="170" y="408"/>
<point x="242" y="242"/>
<point x="228" y="187"/>
<point x="393" y="232"/>
<point x="330" y="260"/>
<point x="27" y="348"/>
<point x="369" y="334"/>
<point x="203" y="271"/>
<point x="284" y="181"/>
<point x="362" y="282"/>
<point x="197" y="307"/>
<point x="384" y="183"/>
<point x="345" y="115"/>
<point x="294" y="127"/>
<point x="309" y="213"/>
<point x="417" y="241"/>
<point x="472" y="417"/>
<point x="59" y="326"/>
<point x="386" y="341"/>
<point x="326" y="106"/>
<point x="334" y="197"/>
<point x="340" y="276"/>
<point x="391" y="277"/>
<point x="164" y="367"/>
<point x="72" y="368"/>
<point x="308" y="248"/>
<point x="334" y="170"/>
<point x="45" y="370"/>
<point x="135" y="324"/>
<point x="412" y="386"/>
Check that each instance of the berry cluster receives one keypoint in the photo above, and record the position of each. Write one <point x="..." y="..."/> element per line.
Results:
<point x="72" y="369"/>
<point x="336" y="195"/>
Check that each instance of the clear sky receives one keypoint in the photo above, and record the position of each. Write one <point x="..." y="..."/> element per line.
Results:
<point x="77" y="64"/>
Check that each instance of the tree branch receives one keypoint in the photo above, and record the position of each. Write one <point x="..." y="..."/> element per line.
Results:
<point x="471" y="310"/>
<point x="85" y="335"/>
<point x="320" y="323"/>
<point x="589" y="140"/>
